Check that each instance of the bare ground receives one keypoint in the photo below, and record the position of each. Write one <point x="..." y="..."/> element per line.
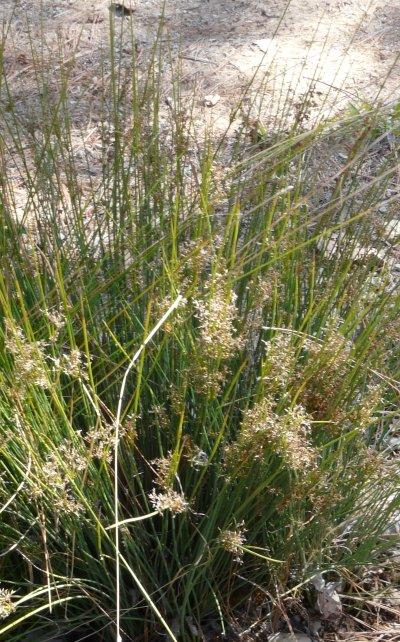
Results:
<point x="345" y="48"/>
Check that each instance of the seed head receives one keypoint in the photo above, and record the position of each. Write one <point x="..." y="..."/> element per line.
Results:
<point x="233" y="541"/>
<point x="7" y="606"/>
<point x="101" y="441"/>
<point x="216" y="313"/>
<point x="164" y="471"/>
<point x="29" y="359"/>
<point x="71" y="364"/>
<point x="279" y="363"/>
<point x="57" y="320"/>
<point x="169" y="500"/>
<point x="54" y="476"/>
<point x="264" y="433"/>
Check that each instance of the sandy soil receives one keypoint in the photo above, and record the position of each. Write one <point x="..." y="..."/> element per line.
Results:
<point x="346" y="48"/>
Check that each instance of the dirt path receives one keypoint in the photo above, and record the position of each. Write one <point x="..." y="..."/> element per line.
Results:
<point x="345" y="47"/>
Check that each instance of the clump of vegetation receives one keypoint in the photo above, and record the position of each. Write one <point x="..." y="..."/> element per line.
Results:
<point x="251" y="449"/>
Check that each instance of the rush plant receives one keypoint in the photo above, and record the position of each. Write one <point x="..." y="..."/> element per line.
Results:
<point x="251" y="451"/>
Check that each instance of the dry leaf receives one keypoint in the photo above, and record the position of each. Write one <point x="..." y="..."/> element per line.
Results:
<point x="328" y="599"/>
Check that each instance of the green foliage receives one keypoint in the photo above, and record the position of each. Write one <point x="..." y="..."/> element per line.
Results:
<point x="252" y="448"/>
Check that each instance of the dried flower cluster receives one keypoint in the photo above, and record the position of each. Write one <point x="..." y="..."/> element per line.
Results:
<point x="324" y="493"/>
<point x="169" y="500"/>
<point x="319" y="378"/>
<point x="218" y="340"/>
<point x="160" y="416"/>
<point x="328" y="364"/>
<point x="30" y="367"/>
<point x="165" y="471"/>
<point x="100" y="439"/>
<point x="373" y="466"/>
<point x="54" y="475"/>
<point x="207" y="377"/>
<point x="264" y="433"/>
<point x="29" y="359"/>
<point x="71" y="364"/>
<point x="73" y="458"/>
<point x="7" y="606"/>
<point x="176" y="399"/>
<point x="216" y="313"/>
<point x="279" y="364"/>
<point x="191" y="452"/>
<point x="57" y="320"/>
<point x="195" y="258"/>
<point x="233" y="541"/>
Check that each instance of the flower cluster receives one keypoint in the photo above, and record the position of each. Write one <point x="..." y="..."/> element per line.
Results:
<point x="195" y="258"/>
<point x="216" y="313"/>
<point x="264" y="433"/>
<point x="207" y="377"/>
<point x="176" y="319"/>
<point x="362" y="413"/>
<point x="56" y="473"/>
<point x="169" y="500"/>
<point x="7" y="606"/>
<point x="29" y="359"/>
<point x="100" y="439"/>
<point x="279" y="364"/>
<point x="292" y="440"/>
<point x="73" y="458"/>
<point x="261" y="290"/>
<point x="30" y="367"/>
<point x="160" y="416"/>
<point x="328" y="364"/>
<point x="165" y="471"/>
<point x="71" y="364"/>
<point x="218" y="340"/>
<point x="233" y="541"/>
<point x="57" y="321"/>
